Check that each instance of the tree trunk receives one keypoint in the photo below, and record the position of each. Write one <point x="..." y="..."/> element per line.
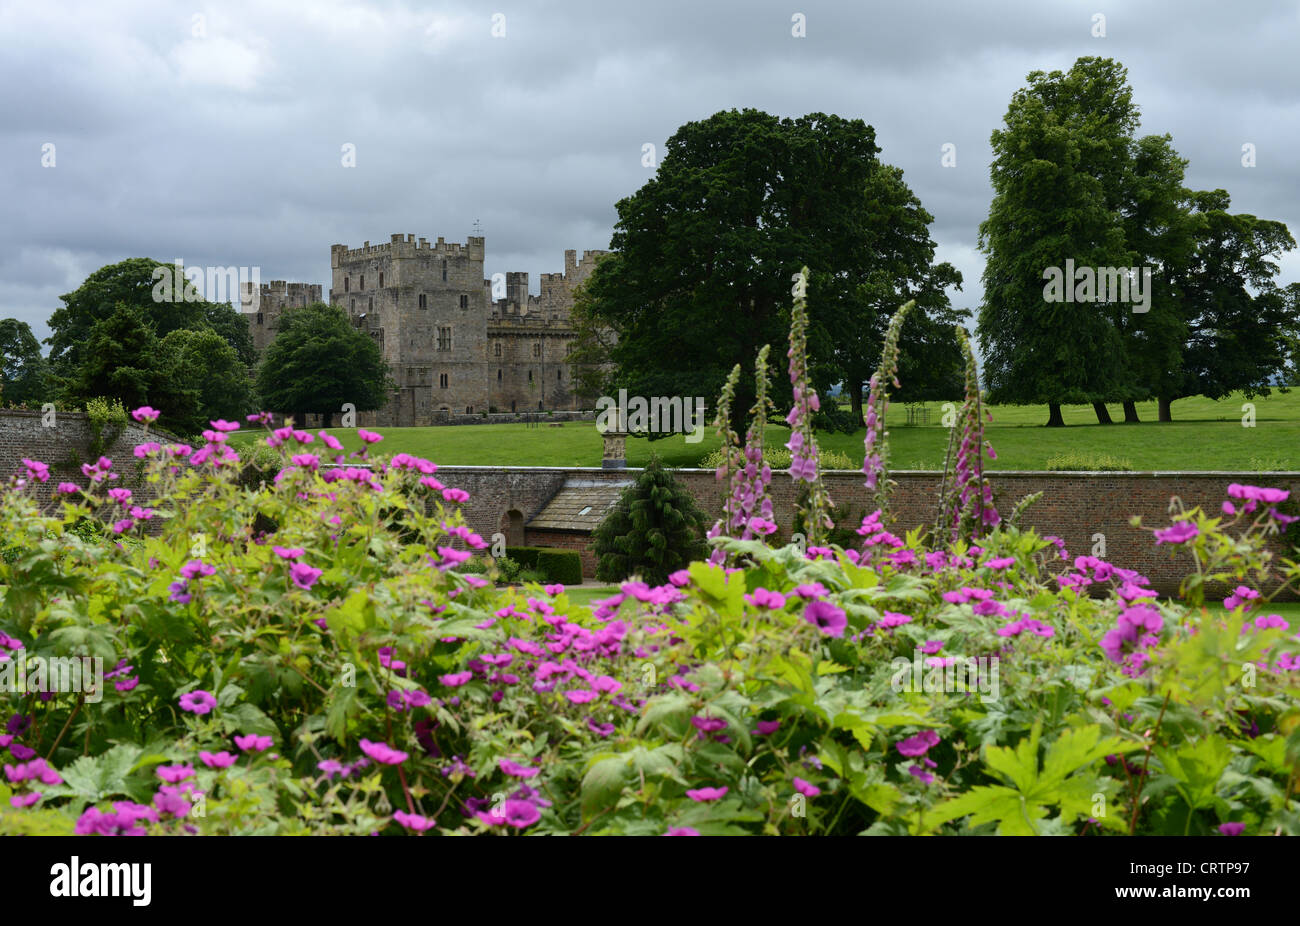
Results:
<point x="855" y="398"/>
<point x="1165" y="414"/>
<point x="1131" y="413"/>
<point x="1054" y="419"/>
<point x="1103" y="413"/>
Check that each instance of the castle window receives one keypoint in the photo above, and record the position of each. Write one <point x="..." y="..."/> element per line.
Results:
<point x="537" y="348"/>
<point x="444" y="338"/>
<point x="371" y="304"/>
<point x="469" y="409"/>
<point x="381" y="281"/>
<point x="497" y="347"/>
<point x="354" y="305"/>
<point x="362" y="284"/>
<point x="498" y="376"/>
<point x="259" y="318"/>
<point x="442" y="380"/>
<point x="347" y="283"/>
<point x="464" y="301"/>
<point x="530" y="376"/>
<point x="444" y="270"/>
<point x="424" y="301"/>
<point x="559" y="374"/>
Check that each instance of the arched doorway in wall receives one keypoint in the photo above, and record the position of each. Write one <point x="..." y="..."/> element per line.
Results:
<point x="512" y="525"/>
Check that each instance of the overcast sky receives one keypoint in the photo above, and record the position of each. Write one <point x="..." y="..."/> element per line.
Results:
<point x="213" y="132"/>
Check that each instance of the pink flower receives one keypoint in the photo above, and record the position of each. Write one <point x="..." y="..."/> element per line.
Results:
<point x="706" y="794"/>
<point x="369" y="437"/>
<point x="766" y="727"/>
<point x="456" y="678"/>
<point x="144" y="414"/>
<point x="919" y="744"/>
<point x="37" y="470"/>
<point x="221" y="759"/>
<point x="762" y="598"/>
<point x="304" y="576"/>
<point x="455" y="495"/>
<point x="173" y="774"/>
<point x="514" y="769"/>
<point x="521" y="814"/>
<point x="252" y="742"/>
<point x="382" y="752"/>
<point x="289" y="552"/>
<point x="806" y="789"/>
<point x="1181" y="532"/>
<point x="198" y="702"/>
<point x="827" y="618"/>
<point x="1232" y="829"/>
<point x="682" y="831"/>
<point x="195" y="568"/>
<point x="1255" y="493"/>
<point x="581" y="695"/>
<point x="412" y="821"/>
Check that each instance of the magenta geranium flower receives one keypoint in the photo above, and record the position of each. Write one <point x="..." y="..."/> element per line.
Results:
<point x="762" y="598"/>
<point x="289" y="552"/>
<point x="707" y="794"/>
<point x="1232" y="829"/>
<point x="37" y="470"/>
<point x="1255" y="493"/>
<point x="708" y="724"/>
<point x="682" y="831"/>
<point x="144" y="414"/>
<point x="413" y="821"/>
<point x="252" y="742"/>
<point x="581" y="695"/>
<point x="455" y="495"/>
<point x="173" y="774"/>
<point x="805" y="788"/>
<point x="456" y="678"/>
<point x="1181" y="532"/>
<point x="221" y="759"/>
<point x="766" y="727"/>
<point x="918" y="745"/>
<point x="382" y="752"/>
<point x="826" y="617"/>
<point x="304" y="576"/>
<point x="198" y="702"/>
<point x="516" y="770"/>
<point x="521" y="814"/>
<point x="369" y="437"/>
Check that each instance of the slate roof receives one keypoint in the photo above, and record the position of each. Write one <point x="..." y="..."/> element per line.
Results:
<point x="580" y="505"/>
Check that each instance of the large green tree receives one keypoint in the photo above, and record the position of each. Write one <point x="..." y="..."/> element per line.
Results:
<point x="123" y="360"/>
<point x="319" y="362"/>
<point x="24" y="374"/>
<point x="205" y="361"/>
<point x="1241" y="327"/>
<point x="704" y="256"/>
<point x="1058" y="180"/>
<point x="139" y="282"/>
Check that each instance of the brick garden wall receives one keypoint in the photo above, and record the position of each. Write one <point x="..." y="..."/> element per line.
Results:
<point x="1074" y="506"/>
<point x="65" y="445"/>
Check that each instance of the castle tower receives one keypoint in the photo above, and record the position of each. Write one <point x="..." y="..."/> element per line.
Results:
<point x="263" y="305"/>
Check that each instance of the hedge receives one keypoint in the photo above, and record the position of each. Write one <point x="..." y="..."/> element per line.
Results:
<point x="562" y="566"/>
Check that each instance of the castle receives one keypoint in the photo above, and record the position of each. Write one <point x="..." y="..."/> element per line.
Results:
<point x="452" y="348"/>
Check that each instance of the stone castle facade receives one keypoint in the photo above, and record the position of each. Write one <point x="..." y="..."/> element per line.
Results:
<point x="452" y="348"/>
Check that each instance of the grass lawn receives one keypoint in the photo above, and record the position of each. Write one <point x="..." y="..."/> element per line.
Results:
<point x="1205" y="435"/>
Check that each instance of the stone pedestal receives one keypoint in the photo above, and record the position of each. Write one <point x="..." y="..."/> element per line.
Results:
<point x="615" y="455"/>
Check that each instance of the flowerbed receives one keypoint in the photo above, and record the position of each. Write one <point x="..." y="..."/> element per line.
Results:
<point x="303" y="657"/>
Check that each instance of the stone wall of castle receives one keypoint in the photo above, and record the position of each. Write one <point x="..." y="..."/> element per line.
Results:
<point x="262" y="306"/>
<point x="451" y="347"/>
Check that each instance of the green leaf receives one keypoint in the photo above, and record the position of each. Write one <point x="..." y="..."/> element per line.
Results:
<point x="602" y="784"/>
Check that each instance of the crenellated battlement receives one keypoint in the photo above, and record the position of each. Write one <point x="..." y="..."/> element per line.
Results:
<point x="406" y="246"/>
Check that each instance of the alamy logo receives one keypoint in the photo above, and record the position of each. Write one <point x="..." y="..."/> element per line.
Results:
<point x="206" y="284"/>
<point x="106" y="879"/>
<point x="951" y="674"/>
<point x="659" y="415"/>
<point x="61" y="674"/>
<point x="1099" y="284"/>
